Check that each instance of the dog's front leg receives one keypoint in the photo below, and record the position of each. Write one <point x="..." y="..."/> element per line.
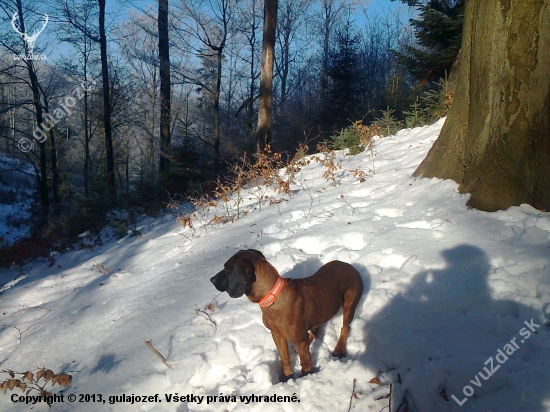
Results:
<point x="305" y="357"/>
<point x="282" y="347"/>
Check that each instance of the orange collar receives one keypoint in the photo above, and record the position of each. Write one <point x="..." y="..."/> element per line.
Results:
<point x="270" y="298"/>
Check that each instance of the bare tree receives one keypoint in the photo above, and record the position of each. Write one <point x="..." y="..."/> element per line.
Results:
<point x="330" y="13"/>
<point x="139" y="48"/>
<point x="264" y="136"/>
<point x="70" y="14"/>
<point x="82" y="34"/>
<point x="18" y="23"/>
<point x="109" y="154"/>
<point x="248" y="26"/>
<point x="292" y="15"/>
<point x="165" y="90"/>
<point x="205" y="31"/>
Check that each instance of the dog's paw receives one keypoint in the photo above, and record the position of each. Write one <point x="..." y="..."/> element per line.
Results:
<point x="284" y="378"/>
<point x="313" y="370"/>
<point x="339" y="355"/>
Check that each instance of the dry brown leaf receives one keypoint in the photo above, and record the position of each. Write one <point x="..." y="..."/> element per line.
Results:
<point x="40" y="374"/>
<point x="63" y="379"/>
<point x="210" y="307"/>
<point x="48" y="375"/>
<point x="23" y="386"/>
<point x="375" y="380"/>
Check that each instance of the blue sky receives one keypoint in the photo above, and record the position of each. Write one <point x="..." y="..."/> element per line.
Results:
<point x="374" y="7"/>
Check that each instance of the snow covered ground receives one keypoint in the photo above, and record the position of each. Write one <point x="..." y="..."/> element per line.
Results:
<point x="16" y="195"/>
<point x="447" y="293"/>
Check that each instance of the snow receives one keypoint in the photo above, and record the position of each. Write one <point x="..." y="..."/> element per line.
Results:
<point x="16" y="195"/>
<point x="446" y="289"/>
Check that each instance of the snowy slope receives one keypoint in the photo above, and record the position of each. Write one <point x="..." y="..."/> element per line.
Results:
<point x="446" y="288"/>
<point x="16" y="196"/>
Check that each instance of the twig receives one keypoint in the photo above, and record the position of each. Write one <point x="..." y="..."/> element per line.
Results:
<point x="308" y="191"/>
<point x="204" y="314"/>
<point x="352" y="393"/>
<point x="353" y="209"/>
<point x="403" y="402"/>
<point x="372" y="157"/>
<point x="19" y="330"/>
<point x="149" y="344"/>
<point x="388" y="396"/>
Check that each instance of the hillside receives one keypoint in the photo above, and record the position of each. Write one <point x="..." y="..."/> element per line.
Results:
<point x="446" y="288"/>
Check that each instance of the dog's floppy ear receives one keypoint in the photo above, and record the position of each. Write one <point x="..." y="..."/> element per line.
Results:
<point x="255" y="252"/>
<point x="241" y="277"/>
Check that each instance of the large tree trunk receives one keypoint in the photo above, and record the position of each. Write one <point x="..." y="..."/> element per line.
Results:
<point x="264" y="133"/>
<point x="496" y="140"/>
<point x="164" y="57"/>
<point x="111" y="188"/>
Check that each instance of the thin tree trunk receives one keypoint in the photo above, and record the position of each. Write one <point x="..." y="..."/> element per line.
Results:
<point x="496" y="140"/>
<point x="250" y="111"/>
<point x="264" y="134"/>
<point x="164" y="57"/>
<point x="86" y="141"/>
<point x="285" y="54"/>
<point x="48" y="126"/>
<point x="252" y="88"/>
<point x="43" y="178"/>
<point x="217" y="112"/>
<point x="109" y="154"/>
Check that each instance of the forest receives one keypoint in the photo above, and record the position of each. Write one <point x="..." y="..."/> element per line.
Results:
<point x="135" y="104"/>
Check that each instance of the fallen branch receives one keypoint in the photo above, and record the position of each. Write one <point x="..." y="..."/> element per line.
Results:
<point x="149" y="344"/>
<point x="353" y="394"/>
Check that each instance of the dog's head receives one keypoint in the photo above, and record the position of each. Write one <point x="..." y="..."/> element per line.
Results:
<point x="238" y="274"/>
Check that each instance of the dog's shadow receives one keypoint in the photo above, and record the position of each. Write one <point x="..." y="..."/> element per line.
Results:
<point x="305" y="269"/>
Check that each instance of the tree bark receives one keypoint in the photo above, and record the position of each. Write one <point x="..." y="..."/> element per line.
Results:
<point x="53" y="155"/>
<point x="264" y="133"/>
<point x="496" y="140"/>
<point x="86" y="135"/>
<point x="35" y="87"/>
<point x="217" y="93"/>
<point x="165" y="110"/>
<point x="111" y="188"/>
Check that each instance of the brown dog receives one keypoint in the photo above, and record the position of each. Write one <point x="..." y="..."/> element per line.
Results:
<point x="293" y="307"/>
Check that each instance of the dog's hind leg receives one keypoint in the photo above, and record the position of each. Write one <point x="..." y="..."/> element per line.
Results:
<point x="351" y="299"/>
